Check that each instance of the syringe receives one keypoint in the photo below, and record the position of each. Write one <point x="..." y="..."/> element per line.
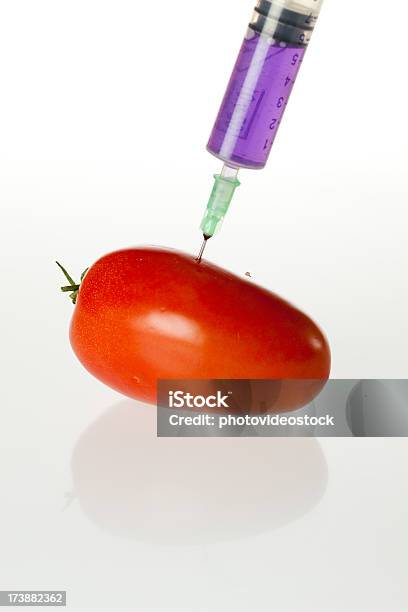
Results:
<point x="256" y="96"/>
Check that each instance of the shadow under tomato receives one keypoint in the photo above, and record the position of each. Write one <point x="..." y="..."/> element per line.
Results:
<point x="182" y="491"/>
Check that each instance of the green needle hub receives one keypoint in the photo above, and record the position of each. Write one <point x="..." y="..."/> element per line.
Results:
<point x="218" y="205"/>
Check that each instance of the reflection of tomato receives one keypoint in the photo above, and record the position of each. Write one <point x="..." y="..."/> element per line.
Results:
<point x="191" y="491"/>
<point x="148" y="313"/>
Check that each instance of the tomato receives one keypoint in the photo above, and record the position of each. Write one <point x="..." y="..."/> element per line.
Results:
<point x="145" y="314"/>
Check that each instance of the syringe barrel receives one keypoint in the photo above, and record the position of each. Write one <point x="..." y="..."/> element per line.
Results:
<point x="262" y="80"/>
<point x="290" y="21"/>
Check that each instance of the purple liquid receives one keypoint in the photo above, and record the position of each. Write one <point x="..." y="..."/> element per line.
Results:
<point x="254" y="102"/>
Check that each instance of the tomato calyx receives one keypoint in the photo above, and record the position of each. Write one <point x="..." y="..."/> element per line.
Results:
<point x="73" y="287"/>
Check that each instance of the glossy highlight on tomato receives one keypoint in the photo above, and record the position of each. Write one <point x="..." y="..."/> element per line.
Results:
<point x="145" y="314"/>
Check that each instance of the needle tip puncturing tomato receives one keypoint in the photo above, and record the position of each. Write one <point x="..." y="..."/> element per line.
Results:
<point x="144" y="314"/>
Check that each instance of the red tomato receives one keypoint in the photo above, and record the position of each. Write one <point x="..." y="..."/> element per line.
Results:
<point x="145" y="314"/>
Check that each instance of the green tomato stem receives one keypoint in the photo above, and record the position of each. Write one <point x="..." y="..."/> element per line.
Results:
<point x="73" y="288"/>
<point x="67" y="276"/>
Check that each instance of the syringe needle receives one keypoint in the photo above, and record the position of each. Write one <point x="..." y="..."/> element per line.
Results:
<point x="201" y="253"/>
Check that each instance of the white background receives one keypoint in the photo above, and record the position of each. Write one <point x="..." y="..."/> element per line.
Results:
<point x="106" y="108"/>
